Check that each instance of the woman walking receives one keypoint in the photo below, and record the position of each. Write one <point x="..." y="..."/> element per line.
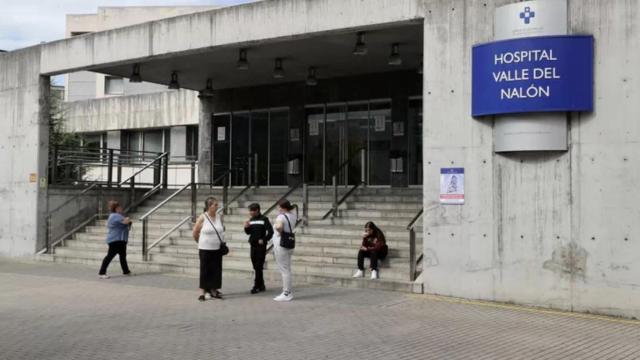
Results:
<point x="209" y="234"/>
<point x="284" y="224"/>
<point x="117" y="237"/>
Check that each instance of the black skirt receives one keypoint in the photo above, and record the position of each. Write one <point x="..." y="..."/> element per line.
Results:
<point x="210" y="269"/>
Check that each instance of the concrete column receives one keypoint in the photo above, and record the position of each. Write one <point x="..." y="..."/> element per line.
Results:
<point x="204" y="140"/>
<point x="23" y="152"/>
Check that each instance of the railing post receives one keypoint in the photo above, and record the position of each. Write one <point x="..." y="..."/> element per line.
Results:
<point x="225" y="196"/>
<point x="132" y="193"/>
<point x="54" y="166"/>
<point x="165" y="171"/>
<point x="412" y="254"/>
<point x="256" y="181"/>
<point x="119" y="175"/>
<point x="145" y="256"/>
<point x="110" y="168"/>
<point x="49" y="235"/>
<point x="334" y="183"/>
<point x="305" y="204"/>
<point x="363" y="164"/>
<point x="194" y="192"/>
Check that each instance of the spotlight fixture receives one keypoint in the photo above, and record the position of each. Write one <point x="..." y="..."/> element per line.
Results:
<point x="174" y="84"/>
<point x="361" y="47"/>
<point x="207" y="92"/>
<point x="243" y="64"/>
<point x="135" y="75"/>
<point x="278" y="71"/>
<point x="394" y="58"/>
<point x="312" y="80"/>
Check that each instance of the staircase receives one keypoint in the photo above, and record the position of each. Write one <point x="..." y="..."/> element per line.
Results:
<point x="325" y="249"/>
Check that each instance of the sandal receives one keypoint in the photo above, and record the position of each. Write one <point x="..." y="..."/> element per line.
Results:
<point x="216" y="294"/>
<point x="201" y="298"/>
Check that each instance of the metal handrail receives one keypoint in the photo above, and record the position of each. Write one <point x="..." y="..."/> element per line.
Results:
<point x="49" y="248"/>
<point x="238" y="195"/>
<point x="159" y="158"/>
<point x="347" y="162"/>
<point x="163" y="202"/>
<point x="144" y="197"/>
<point x="289" y="192"/>
<point x="72" y="199"/>
<point x="413" y="262"/>
<point x="166" y="235"/>
<point x="336" y="204"/>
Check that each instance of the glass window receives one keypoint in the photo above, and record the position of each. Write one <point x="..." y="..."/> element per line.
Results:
<point x="152" y="143"/>
<point x="315" y="145"/>
<point x="279" y="152"/>
<point x="113" y="85"/>
<point x="192" y="143"/>
<point x="260" y="144"/>
<point x="380" y="131"/>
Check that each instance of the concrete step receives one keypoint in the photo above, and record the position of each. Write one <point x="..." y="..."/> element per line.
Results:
<point x="300" y="264"/>
<point x="270" y="275"/>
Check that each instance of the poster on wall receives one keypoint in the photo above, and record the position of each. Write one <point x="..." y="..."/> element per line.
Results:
<point x="452" y="186"/>
<point x="222" y="133"/>
<point x="314" y="127"/>
<point x="380" y="123"/>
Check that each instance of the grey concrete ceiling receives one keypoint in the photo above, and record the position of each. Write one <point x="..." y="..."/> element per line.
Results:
<point x="331" y="54"/>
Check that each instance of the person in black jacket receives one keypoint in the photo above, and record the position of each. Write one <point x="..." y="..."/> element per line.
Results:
<point x="260" y="232"/>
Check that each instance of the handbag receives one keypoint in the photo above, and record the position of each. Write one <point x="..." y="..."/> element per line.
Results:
<point x="288" y="239"/>
<point x="224" y="249"/>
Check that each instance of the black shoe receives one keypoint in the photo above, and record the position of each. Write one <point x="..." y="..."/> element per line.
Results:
<point x="262" y="288"/>
<point x="216" y="295"/>
<point x="201" y="298"/>
<point x="255" y="290"/>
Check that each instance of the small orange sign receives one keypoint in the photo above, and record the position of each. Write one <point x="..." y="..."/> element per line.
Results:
<point x="33" y="177"/>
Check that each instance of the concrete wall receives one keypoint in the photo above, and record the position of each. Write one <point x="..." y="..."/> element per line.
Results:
<point x="168" y="108"/>
<point x="23" y="151"/>
<point x="287" y="19"/>
<point x="547" y="229"/>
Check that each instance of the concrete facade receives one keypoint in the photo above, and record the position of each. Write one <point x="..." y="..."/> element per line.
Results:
<point x="167" y="108"/>
<point x="547" y="229"/>
<point x="23" y="151"/>
<point x="561" y="230"/>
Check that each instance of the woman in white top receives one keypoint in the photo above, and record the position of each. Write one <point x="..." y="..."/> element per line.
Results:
<point x="209" y="234"/>
<point x="285" y="222"/>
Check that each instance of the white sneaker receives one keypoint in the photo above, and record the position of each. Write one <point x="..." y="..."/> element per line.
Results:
<point x="103" y="277"/>
<point x="207" y="296"/>
<point x="284" y="297"/>
<point x="358" y="274"/>
<point x="374" y="274"/>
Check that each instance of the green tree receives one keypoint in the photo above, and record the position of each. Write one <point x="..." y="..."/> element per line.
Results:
<point x="59" y="138"/>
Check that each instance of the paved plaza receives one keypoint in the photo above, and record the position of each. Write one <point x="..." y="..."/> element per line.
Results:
<point x="59" y="311"/>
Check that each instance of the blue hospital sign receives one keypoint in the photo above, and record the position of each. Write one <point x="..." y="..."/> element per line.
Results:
<point x="535" y="74"/>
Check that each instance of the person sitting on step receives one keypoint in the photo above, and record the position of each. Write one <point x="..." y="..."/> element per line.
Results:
<point x="374" y="247"/>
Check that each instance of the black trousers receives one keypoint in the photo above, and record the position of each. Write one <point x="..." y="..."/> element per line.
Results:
<point x="258" y="255"/>
<point x="375" y="256"/>
<point x="116" y="248"/>
<point x="210" y="270"/>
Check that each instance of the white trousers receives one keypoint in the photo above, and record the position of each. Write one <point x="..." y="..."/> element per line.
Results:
<point x="283" y="259"/>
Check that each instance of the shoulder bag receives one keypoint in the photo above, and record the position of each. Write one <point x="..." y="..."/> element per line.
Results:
<point x="223" y="245"/>
<point x="288" y="239"/>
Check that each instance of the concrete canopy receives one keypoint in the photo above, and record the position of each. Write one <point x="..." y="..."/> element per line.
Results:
<point x="331" y="54"/>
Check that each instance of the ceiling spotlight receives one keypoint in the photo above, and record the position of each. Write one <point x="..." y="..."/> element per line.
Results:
<point x="361" y="47"/>
<point x="278" y="71"/>
<point x="243" y="64"/>
<point x="394" y="58"/>
<point x="135" y="75"/>
<point x="207" y="92"/>
<point x="312" y="80"/>
<point x="174" y="85"/>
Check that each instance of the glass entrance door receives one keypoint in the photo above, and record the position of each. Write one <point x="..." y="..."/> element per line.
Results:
<point x="336" y="133"/>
